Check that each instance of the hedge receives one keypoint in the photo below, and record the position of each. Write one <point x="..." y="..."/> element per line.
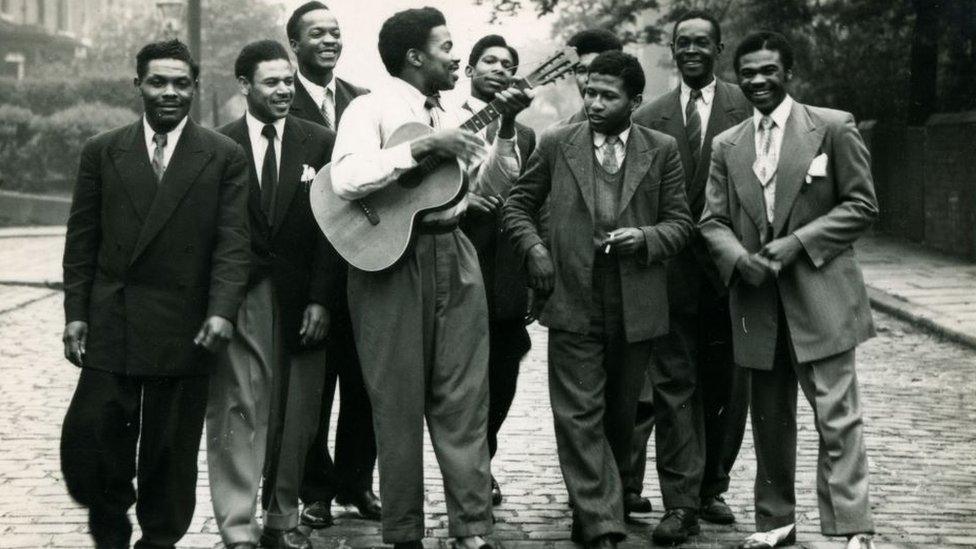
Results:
<point x="47" y="96"/>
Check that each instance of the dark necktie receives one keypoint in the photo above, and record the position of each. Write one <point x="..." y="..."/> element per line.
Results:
<point x="269" y="173"/>
<point x="693" y="125"/>
<point x="158" y="161"/>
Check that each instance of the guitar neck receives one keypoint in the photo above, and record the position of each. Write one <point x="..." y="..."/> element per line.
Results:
<point x="487" y="115"/>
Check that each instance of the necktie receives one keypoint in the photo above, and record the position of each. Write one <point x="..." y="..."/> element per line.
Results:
<point x="693" y="125"/>
<point x="431" y="104"/>
<point x="325" y="109"/>
<point x="609" y="162"/>
<point x="269" y="172"/>
<point x="158" y="161"/>
<point x="766" y="161"/>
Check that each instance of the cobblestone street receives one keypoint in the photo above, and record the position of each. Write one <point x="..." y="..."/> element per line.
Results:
<point x="921" y="425"/>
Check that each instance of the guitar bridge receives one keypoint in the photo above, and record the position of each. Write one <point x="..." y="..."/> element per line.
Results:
<point x="368" y="212"/>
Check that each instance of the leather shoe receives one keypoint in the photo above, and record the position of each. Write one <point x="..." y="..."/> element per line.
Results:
<point x="317" y="514"/>
<point x="676" y="525"/>
<point x="716" y="511"/>
<point x="860" y="541"/>
<point x="496" y="492"/>
<point x="634" y="503"/>
<point x="365" y="502"/>
<point x="272" y="538"/>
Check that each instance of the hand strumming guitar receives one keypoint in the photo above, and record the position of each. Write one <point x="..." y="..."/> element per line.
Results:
<point x="451" y="143"/>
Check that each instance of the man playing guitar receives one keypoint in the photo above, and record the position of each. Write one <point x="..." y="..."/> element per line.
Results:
<point x="421" y="327"/>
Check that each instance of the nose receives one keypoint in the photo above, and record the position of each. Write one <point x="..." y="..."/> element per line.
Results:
<point x="757" y="80"/>
<point x="169" y="90"/>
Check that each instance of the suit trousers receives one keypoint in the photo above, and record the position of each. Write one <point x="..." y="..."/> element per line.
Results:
<point x="830" y="386"/>
<point x="594" y="381"/>
<point x="422" y="333"/>
<point x="112" y="417"/>
<point x="509" y="342"/>
<point x="241" y="395"/>
<point x="355" y="442"/>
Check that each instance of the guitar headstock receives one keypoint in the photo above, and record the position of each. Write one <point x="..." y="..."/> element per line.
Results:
<point x="557" y="66"/>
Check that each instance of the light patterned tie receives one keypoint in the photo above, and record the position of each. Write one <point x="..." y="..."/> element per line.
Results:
<point x="609" y="161"/>
<point x="325" y="109"/>
<point x="693" y="125"/>
<point x="765" y="165"/>
<point x="158" y="160"/>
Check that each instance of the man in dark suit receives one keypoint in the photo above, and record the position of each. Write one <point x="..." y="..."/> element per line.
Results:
<point x="321" y="97"/>
<point x="155" y="268"/>
<point x="617" y="212"/>
<point x="273" y="370"/>
<point x="588" y="43"/>
<point x="698" y="350"/>
<point x="789" y="192"/>
<point x="491" y="66"/>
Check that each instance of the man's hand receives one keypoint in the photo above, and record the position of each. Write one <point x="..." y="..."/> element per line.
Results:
<point x="451" y="143"/>
<point x="484" y="204"/>
<point x="75" y="339"/>
<point x="315" y="324"/>
<point x="624" y="241"/>
<point x="782" y="250"/>
<point x="541" y="270"/>
<point x="214" y="334"/>
<point x="754" y="269"/>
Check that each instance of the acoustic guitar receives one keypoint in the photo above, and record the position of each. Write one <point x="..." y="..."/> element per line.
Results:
<point x="374" y="232"/>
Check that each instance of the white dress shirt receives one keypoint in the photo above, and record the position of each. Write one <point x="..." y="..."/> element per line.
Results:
<point x="259" y="143"/>
<point x="779" y="115"/>
<point x="172" y="138"/>
<point x="703" y="104"/>
<point x="601" y="148"/>
<point x="321" y="95"/>
<point x="360" y="163"/>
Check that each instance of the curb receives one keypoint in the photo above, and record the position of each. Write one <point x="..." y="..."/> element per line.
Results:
<point x="917" y="315"/>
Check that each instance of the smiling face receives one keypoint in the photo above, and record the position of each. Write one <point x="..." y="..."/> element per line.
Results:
<point x="763" y="79"/>
<point x="167" y="92"/>
<point x="270" y="91"/>
<point x="319" y="42"/>
<point x="438" y="64"/>
<point x="492" y="72"/>
<point x="608" y="106"/>
<point x="694" y="50"/>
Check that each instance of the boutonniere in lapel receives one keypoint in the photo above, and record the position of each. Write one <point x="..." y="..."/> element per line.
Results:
<point x="308" y="175"/>
<point x="818" y="168"/>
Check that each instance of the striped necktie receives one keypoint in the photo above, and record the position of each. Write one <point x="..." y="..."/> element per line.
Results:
<point x="158" y="158"/>
<point x="693" y="125"/>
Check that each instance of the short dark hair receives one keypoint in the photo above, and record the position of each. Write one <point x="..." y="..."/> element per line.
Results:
<point x="404" y="31"/>
<point x="698" y="14"/>
<point x="765" y="40"/>
<point x="291" y="28"/>
<point x="257" y="52"/>
<point x="491" y="41"/>
<point x="623" y="65"/>
<point x="595" y="41"/>
<point x="165" y="49"/>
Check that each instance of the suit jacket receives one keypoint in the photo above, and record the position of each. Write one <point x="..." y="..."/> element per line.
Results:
<point x="506" y="283"/>
<point x="303" y="106"/>
<point x="652" y="199"/>
<point x="822" y="292"/>
<point x="291" y="249"/>
<point x="144" y="265"/>
<point x="688" y="269"/>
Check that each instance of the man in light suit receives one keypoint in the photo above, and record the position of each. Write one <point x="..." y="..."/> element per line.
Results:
<point x="321" y="97"/>
<point x="789" y="193"/>
<point x="698" y="350"/>
<point x="268" y="385"/>
<point x="618" y="210"/>
<point x="155" y="268"/>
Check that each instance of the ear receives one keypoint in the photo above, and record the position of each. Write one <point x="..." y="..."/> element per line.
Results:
<point x="635" y="101"/>
<point x="294" y="46"/>
<point x="245" y="85"/>
<point x="469" y="71"/>
<point x="719" y="49"/>
<point x="415" y="58"/>
<point x="671" y="47"/>
<point x="136" y="81"/>
<point x="789" y="75"/>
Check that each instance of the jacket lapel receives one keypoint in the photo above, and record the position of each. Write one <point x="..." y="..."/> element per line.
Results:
<point x="131" y="159"/>
<point x="303" y="106"/>
<point x="292" y="154"/>
<point x="238" y="132"/>
<point x="722" y="116"/>
<point x="747" y="186"/>
<point x="187" y="161"/>
<point x="342" y="98"/>
<point x="578" y="151"/>
<point x="673" y="123"/>
<point x="801" y="139"/>
<point x="637" y="161"/>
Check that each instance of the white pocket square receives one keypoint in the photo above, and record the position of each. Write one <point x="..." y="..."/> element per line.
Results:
<point x="308" y="173"/>
<point x="818" y="168"/>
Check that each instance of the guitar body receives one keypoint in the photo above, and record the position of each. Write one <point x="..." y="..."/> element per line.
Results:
<point x="379" y="243"/>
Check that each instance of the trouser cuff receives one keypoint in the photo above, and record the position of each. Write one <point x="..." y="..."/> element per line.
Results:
<point x="467" y="529"/>
<point x="604" y="528"/>
<point x="277" y="521"/>
<point x="765" y="524"/>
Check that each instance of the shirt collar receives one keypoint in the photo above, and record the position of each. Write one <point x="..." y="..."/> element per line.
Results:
<point x="779" y="115"/>
<point x="255" y="126"/>
<point x="316" y="91"/>
<point x="171" y="137"/>
<point x="410" y="94"/>
<point x="599" y="139"/>
<point x="708" y="92"/>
